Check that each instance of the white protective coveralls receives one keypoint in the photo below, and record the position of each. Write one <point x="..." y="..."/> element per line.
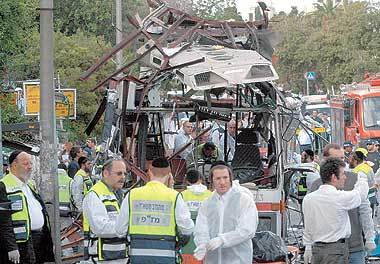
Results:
<point x="232" y="217"/>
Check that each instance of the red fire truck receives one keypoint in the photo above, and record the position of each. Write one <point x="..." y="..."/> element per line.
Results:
<point x="355" y="114"/>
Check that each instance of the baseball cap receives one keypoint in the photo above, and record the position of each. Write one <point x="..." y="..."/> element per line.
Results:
<point x="347" y="144"/>
<point x="370" y="142"/>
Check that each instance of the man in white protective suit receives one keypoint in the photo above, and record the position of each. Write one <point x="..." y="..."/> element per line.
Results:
<point x="226" y="222"/>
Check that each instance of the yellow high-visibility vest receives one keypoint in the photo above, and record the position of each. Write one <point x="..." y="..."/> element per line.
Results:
<point x="108" y="248"/>
<point x="87" y="182"/>
<point x="194" y="200"/>
<point x="64" y="183"/>
<point x="152" y="226"/>
<point x="20" y="214"/>
<point x="152" y="210"/>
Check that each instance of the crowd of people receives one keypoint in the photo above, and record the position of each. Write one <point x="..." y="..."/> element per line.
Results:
<point x="339" y="198"/>
<point x="338" y="194"/>
<point x="147" y="225"/>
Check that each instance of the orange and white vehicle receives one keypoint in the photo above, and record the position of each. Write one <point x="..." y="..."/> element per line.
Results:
<point x="357" y="110"/>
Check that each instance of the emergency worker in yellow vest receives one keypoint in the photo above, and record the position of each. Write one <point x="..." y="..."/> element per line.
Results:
<point x="358" y="164"/>
<point x="101" y="206"/>
<point x="25" y="231"/>
<point x="193" y="196"/>
<point x="195" y="193"/>
<point x="82" y="183"/>
<point x="151" y="216"/>
<point x="65" y="195"/>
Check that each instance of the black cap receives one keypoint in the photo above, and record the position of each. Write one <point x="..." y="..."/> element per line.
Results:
<point x="160" y="163"/>
<point x="347" y="144"/>
<point x="13" y="156"/>
<point x="370" y="142"/>
<point x="376" y="142"/>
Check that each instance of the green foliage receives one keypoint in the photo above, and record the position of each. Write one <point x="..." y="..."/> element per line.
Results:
<point x="339" y="43"/>
<point x="17" y="18"/>
<point x="9" y="111"/>
<point x="73" y="55"/>
<point x="94" y="17"/>
<point x="217" y="9"/>
<point x="326" y="7"/>
<point x="9" y="115"/>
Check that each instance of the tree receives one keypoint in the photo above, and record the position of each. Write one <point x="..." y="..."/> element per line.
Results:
<point x="294" y="11"/>
<point x="217" y="9"/>
<point x="17" y="19"/>
<point x="326" y="9"/>
<point x="339" y="55"/>
<point x="94" y="17"/>
<point x="73" y="55"/>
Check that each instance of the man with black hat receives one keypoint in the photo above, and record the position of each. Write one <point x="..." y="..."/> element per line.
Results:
<point x="27" y="236"/>
<point x="348" y="147"/>
<point x="373" y="155"/>
<point x="154" y="216"/>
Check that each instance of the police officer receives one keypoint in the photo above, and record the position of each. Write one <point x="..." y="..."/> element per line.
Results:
<point x="101" y="207"/>
<point x="26" y="238"/>
<point x="151" y="215"/>
<point x="373" y="155"/>
<point x="65" y="191"/>
<point x="348" y="147"/>
<point x="82" y="183"/>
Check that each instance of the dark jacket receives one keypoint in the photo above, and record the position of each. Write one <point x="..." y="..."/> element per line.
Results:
<point x="72" y="168"/>
<point x="355" y="242"/>
<point x="375" y="158"/>
<point x="8" y="240"/>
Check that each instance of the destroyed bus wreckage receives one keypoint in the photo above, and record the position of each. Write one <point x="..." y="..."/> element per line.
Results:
<point x="210" y="58"/>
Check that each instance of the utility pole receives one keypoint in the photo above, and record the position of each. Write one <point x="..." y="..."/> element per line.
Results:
<point x="48" y="152"/>
<point x="1" y="149"/>
<point x="119" y="55"/>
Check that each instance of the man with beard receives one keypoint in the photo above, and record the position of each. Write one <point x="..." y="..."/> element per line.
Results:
<point x="82" y="183"/>
<point x="25" y="229"/>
